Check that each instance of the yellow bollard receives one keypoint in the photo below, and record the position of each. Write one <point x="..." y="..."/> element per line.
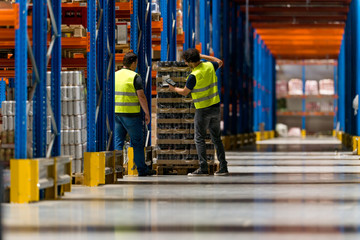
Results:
<point x="272" y="134"/>
<point x="132" y="170"/>
<point x="355" y="144"/>
<point x="258" y="136"/>
<point x="24" y="176"/>
<point x="303" y="133"/>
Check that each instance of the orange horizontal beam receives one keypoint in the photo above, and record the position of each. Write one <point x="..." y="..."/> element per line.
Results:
<point x="306" y="57"/>
<point x="296" y="25"/>
<point x="75" y="4"/>
<point x="73" y="42"/>
<point x="300" y="31"/>
<point x="296" y="9"/>
<point x="277" y="2"/>
<point x="303" y="42"/>
<point x="124" y="6"/>
<point x="305" y="51"/>
<point x="297" y="18"/>
<point x="308" y="37"/>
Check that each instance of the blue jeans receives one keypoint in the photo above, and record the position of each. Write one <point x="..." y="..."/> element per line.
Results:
<point x="133" y="126"/>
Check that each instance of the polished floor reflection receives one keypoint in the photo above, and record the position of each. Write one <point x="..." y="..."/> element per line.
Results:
<point x="270" y="195"/>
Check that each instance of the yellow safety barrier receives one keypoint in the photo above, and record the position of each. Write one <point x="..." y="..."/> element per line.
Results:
<point x="29" y="176"/>
<point x="258" y="136"/>
<point x="303" y="133"/>
<point x="355" y="144"/>
<point x="99" y="168"/>
<point x="272" y="134"/>
<point x="132" y="170"/>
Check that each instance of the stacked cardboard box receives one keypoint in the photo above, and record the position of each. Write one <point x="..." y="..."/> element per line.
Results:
<point x="175" y="119"/>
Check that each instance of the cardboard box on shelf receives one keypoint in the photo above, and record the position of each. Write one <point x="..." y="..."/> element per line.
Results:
<point x="79" y="30"/>
<point x="155" y="16"/>
<point x="66" y="31"/>
<point x="122" y="33"/>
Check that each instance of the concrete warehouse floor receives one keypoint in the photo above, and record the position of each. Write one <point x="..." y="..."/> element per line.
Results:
<point x="296" y="193"/>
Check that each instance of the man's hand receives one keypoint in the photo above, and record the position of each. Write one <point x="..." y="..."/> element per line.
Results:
<point x="212" y="59"/>
<point x="171" y="88"/>
<point x="147" y="119"/>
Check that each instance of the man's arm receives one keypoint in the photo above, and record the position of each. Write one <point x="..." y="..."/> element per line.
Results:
<point x="212" y="59"/>
<point x="144" y="104"/>
<point x="182" y="91"/>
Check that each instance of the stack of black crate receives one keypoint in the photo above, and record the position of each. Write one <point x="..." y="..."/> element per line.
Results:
<point x="175" y="121"/>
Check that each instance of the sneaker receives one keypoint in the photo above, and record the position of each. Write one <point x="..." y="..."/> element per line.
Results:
<point x="222" y="172"/>
<point x="199" y="173"/>
<point x="147" y="173"/>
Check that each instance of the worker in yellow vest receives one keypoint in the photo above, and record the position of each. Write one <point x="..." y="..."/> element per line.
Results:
<point x="203" y="85"/>
<point x="129" y="96"/>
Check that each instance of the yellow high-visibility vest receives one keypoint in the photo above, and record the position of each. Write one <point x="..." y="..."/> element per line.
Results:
<point x="205" y="92"/>
<point x="126" y="99"/>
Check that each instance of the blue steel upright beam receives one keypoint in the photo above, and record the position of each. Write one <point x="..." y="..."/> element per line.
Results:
<point x="227" y="63"/>
<point x="356" y="7"/>
<point x="233" y="69"/>
<point x="192" y="12"/>
<point x="164" y="34"/>
<point x="341" y="87"/>
<point x="186" y="25"/>
<point x="21" y="82"/>
<point x="255" y="88"/>
<point x="134" y="28"/>
<point x="101" y="66"/>
<point x="144" y="52"/>
<point x="111" y="75"/>
<point x="216" y="34"/>
<point x="172" y="30"/>
<point x="39" y="106"/>
<point x="56" y="77"/>
<point x="239" y="70"/>
<point x="204" y="26"/>
<point x="91" y="77"/>
<point x="303" y="119"/>
<point x="336" y="86"/>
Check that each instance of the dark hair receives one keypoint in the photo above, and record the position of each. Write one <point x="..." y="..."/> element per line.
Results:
<point x="191" y="55"/>
<point x="129" y="59"/>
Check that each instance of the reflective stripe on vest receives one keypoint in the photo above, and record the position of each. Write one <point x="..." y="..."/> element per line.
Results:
<point x="205" y="92"/>
<point x="126" y="99"/>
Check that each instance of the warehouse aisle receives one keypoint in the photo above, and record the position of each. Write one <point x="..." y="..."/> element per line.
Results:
<point x="270" y="195"/>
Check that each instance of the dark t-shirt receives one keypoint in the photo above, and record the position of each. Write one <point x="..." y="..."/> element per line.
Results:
<point x="138" y="86"/>
<point x="191" y="81"/>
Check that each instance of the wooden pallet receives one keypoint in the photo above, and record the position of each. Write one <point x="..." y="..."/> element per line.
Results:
<point x="78" y="178"/>
<point x="180" y="168"/>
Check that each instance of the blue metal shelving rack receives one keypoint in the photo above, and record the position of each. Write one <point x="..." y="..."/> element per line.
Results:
<point x="264" y="87"/>
<point x="2" y="91"/>
<point x="39" y="55"/>
<point x="91" y="77"/>
<point x="168" y="35"/>
<point x="140" y="43"/>
<point x="105" y="78"/>
<point x="56" y="76"/>
<point x="226" y="68"/>
<point x="21" y="45"/>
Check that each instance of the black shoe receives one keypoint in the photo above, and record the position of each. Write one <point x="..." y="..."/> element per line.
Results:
<point x="147" y="173"/>
<point x="199" y="173"/>
<point x="222" y="172"/>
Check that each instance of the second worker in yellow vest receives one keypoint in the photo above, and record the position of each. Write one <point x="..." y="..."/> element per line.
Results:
<point x="203" y="85"/>
<point x="129" y="96"/>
